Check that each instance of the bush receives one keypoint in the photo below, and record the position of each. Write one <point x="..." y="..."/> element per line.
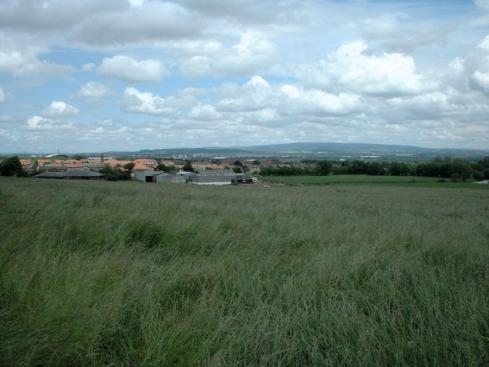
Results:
<point x="324" y="168"/>
<point x="478" y="175"/>
<point x="115" y="174"/>
<point x="164" y="168"/>
<point x="12" y="167"/>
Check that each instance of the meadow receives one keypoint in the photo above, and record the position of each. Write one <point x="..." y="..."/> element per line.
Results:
<point x="375" y="180"/>
<point x="134" y="274"/>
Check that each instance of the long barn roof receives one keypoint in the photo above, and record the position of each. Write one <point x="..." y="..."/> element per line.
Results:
<point x="70" y="172"/>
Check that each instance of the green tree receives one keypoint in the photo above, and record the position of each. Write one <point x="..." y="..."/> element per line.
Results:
<point x="187" y="166"/>
<point x="79" y="157"/>
<point x="129" y="166"/>
<point x="461" y="170"/>
<point x="324" y="168"/>
<point x="12" y="167"/>
<point x="115" y="174"/>
<point x="478" y="175"/>
<point x="239" y="167"/>
<point x="165" y="168"/>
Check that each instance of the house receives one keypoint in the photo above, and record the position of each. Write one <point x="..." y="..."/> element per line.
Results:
<point x="72" y="173"/>
<point x="27" y="165"/>
<point x="145" y="164"/>
<point x="139" y="164"/>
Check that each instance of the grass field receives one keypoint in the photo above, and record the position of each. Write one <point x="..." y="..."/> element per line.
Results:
<point x="364" y="179"/>
<point x="132" y="274"/>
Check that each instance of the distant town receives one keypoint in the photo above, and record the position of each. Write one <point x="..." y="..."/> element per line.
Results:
<point x="247" y="165"/>
<point x="214" y="171"/>
<point x="220" y="170"/>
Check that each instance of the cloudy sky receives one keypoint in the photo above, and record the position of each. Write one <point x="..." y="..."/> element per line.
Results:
<point x="93" y="75"/>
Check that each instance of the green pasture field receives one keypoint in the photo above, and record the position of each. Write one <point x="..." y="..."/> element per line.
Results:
<point x="365" y="179"/>
<point x="132" y="274"/>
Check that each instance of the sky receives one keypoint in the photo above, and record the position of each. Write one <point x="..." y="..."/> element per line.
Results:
<point x="91" y="76"/>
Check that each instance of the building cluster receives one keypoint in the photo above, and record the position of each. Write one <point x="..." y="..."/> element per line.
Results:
<point x="61" y="163"/>
<point x="206" y="177"/>
<point x="205" y="172"/>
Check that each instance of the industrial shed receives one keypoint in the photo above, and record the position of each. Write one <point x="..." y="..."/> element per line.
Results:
<point x="72" y="173"/>
<point x="220" y="177"/>
<point x="170" y="178"/>
<point x="207" y="177"/>
<point x="159" y="177"/>
<point x="147" y="176"/>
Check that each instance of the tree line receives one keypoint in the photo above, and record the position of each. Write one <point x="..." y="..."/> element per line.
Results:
<point x="455" y="169"/>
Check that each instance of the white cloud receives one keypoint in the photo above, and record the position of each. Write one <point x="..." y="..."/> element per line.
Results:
<point x="59" y="109"/>
<point x="51" y="15"/>
<point x="3" y="95"/>
<point x="131" y="70"/>
<point x="136" y="3"/>
<point x="316" y="101"/>
<point x="25" y="63"/>
<point x="258" y="13"/>
<point x="484" y="45"/>
<point x="471" y="72"/>
<point x="289" y="100"/>
<point x="93" y="90"/>
<point x="43" y="123"/>
<point x="352" y="70"/>
<point x="253" y="95"/>
<point x="483" y="19"/>
<point x="102" y="23"/>
<point x="204" y="112"/>
<point x="196" y="66"/>
<point x="251" y="54"/>
<point x="483" y="4"/>
<point x="398" y="32"/>
<point x="149" y="22"/>
<point x="481" y="80"/>
<point x="144" y="102"/>
<point x="433" y="105"/>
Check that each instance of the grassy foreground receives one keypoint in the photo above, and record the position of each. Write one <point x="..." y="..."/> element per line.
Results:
<point x="376" y="180"/>
<point x="128" y="274"/>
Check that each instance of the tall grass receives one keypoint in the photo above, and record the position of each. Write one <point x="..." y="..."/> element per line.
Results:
<point x="417" y="181"/>
<point x="128" y="274"/>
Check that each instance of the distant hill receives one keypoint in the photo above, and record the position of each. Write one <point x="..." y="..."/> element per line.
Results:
<point x="204" y="152"/>
<point x="312" y="150"/>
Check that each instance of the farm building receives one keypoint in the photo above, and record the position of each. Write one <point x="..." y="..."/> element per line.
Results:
<point x="208" y="177"/>
<point x="188" y="176"/>
<point x="170" y="178"/>
<point x="220" y="177"/>
<point x="159" y="177"/>
<point x="71" y="173"/>
<point x="147" y="175"/>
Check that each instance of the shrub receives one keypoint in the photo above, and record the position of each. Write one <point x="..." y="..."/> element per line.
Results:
<point x="12" y="167"/>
